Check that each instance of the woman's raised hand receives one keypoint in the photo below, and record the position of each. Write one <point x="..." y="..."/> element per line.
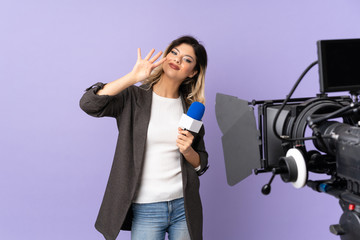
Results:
<point x="144" y="67"/>
<point x="140" y="72"/>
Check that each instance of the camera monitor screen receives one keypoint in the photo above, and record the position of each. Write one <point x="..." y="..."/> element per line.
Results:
<point x="339" y="65"/>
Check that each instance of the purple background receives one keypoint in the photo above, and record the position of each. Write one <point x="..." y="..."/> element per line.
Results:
<point x="55" y="159"/>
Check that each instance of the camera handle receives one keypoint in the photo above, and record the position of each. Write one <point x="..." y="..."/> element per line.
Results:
<point x="292" y="168"/>
<point x="266" y="189"/>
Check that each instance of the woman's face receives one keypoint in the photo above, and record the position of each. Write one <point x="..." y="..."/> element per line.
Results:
<point x="180" y="62"/>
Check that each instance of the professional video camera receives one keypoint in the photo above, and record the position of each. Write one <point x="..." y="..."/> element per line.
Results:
<point x="280" y="143"/>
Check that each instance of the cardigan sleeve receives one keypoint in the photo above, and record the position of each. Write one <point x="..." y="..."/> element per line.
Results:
<point x="102" y="105"/>
<point x="199" y="147"/>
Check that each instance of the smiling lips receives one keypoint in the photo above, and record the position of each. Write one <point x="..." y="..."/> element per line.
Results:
<point x="174" y="66"/>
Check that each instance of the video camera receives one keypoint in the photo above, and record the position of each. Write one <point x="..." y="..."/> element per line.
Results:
<point x="279" y="142"/>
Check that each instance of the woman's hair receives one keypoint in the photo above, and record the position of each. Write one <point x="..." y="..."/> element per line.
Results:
<point x="193" y="89"/>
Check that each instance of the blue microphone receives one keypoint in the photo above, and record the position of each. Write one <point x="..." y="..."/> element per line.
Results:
<point x="196" y="111"/>
<point x="192" y="119"/>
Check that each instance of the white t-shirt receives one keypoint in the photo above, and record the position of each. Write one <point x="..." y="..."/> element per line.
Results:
<point x="161" y="177"/>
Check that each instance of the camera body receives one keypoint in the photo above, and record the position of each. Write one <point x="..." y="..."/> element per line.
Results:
<point x="332" y="123"/>
<point x="293" y="137"/>
<point x="332" y="155"/>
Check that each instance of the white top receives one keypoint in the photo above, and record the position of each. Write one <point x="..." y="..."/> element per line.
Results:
<point x="161" y="178"/>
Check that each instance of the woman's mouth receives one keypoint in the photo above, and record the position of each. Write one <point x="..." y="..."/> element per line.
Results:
<point x="174" y="66"/>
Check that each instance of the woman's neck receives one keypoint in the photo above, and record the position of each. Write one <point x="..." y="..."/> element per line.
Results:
<point x="166" y="87"/>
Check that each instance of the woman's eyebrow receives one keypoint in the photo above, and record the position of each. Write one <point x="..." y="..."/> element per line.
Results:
<point x="185" y="55"/>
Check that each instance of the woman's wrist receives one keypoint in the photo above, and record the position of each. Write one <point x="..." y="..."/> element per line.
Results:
<point x="192" y="157"/>
<point x="133" y="78"/>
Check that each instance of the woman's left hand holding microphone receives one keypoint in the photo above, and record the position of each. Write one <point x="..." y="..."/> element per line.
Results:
<point x="184" y="142"/>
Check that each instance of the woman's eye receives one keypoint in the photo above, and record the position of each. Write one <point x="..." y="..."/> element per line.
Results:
<point x="187" y="60"/>
<point x="173" y="52"/>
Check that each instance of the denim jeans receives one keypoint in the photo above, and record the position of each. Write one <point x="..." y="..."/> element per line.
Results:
<point x="152" y="220"/>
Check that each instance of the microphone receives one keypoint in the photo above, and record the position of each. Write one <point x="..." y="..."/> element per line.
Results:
<point x="192" y="119"/>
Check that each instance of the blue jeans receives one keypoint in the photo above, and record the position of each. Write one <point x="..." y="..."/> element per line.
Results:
<point x="152" y="220"/>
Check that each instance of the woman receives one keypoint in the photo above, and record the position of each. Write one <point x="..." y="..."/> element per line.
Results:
<point x="153" y="186"/>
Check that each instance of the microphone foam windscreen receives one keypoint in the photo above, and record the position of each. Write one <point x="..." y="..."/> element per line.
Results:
<point x="196" y="111"/>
